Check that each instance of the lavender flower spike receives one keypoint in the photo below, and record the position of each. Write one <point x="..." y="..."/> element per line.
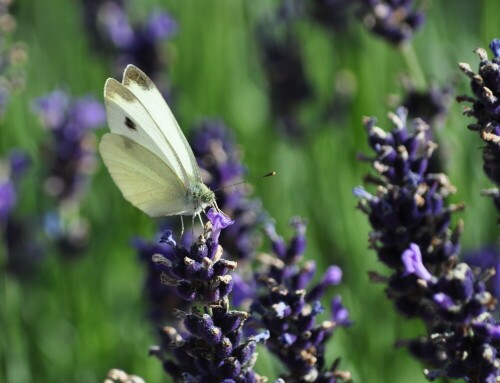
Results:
<point x="412" y="236"/>
<point x="213" y="349"/>
<point x="288" y="308"/>
<point x="485" y="109"/>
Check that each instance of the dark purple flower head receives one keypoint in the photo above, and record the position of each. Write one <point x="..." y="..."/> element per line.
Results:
<point x="212" y="350"/>
<point x="485" y="109"/>
<point x="69" y="150"/>
<point x="409" y="204"/>
<point x="396" y="21"/>
<point x="198" y="273"/>
<point x="288" y="307"/>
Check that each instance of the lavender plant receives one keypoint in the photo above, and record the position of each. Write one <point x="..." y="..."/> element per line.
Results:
<point x="412" y="234"/>
<point x="288" y="307"/>
<point x="486" y="111"/>
<point x="213" y="347"/>
<point x="70" y="160"/>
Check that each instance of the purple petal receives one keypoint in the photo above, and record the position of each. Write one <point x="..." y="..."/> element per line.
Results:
<point x="412" y="261"/>
<point x="219" y="221"/>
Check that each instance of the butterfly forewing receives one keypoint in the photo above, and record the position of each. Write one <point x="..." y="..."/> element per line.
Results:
<point x="146" y="91"/>
<point x="128" y="116"/>
<point x="143" y="178"/>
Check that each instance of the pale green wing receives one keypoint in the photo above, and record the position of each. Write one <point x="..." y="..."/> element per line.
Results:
<point x="130" y="116"/>
<point x="143" y="178"/>
<point x="146" y="91"/>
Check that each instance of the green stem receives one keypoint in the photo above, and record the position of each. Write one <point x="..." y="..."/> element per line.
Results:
<point x="413" y="65"/>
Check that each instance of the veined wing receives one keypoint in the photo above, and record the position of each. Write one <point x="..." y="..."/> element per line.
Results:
<point x="131" y="117"/>
<point x="146" y="91"/>
<point x="143" y="178"/>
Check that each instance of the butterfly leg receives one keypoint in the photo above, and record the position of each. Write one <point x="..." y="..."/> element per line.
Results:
<point x="182" y="228"/>
<point x="192" y="228"/>
<point x="216" y="207"/>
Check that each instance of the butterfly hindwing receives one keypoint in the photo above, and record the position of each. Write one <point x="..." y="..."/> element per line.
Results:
<point x="142" y="177"/>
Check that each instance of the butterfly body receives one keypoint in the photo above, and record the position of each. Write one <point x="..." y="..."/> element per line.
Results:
<point x="146" y="152"/>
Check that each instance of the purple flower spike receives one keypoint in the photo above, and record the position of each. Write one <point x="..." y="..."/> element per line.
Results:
<point x="411" y="227"/>
<point x="288" y="307"/>
<point x="219" y="221"/>
<point x="412" y="261"/>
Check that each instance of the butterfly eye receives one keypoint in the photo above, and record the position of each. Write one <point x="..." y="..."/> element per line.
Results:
<point x="208" y="197"/>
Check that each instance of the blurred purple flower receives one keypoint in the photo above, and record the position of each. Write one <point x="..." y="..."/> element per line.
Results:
<point x="161" y="26"/>
<point x="284" y="70"/>
<point x="69" y="150"/>
<point x="139" y="44"/>
<point x="396" y="21"/>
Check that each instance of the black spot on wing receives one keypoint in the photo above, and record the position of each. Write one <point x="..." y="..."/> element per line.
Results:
<point x="130" y="124"/>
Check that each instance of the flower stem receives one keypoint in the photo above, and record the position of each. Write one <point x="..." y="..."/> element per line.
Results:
<point x="413" y="65"/>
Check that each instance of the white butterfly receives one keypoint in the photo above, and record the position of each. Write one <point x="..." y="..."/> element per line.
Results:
<point x="146" y="152"/>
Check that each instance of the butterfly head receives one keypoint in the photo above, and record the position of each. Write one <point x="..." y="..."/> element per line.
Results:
<point x="199" y="197"/>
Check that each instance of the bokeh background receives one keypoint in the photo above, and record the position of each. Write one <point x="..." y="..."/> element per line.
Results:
<point x="70" y="316"/>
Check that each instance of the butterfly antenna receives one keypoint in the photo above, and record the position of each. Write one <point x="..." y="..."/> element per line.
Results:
<point x="270" y="174"/>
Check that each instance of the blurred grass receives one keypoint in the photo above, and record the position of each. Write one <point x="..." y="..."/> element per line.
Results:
<point x="74" y="321"/>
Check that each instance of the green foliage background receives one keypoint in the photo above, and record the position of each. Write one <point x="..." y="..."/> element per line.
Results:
<point x="75" y="320"/>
